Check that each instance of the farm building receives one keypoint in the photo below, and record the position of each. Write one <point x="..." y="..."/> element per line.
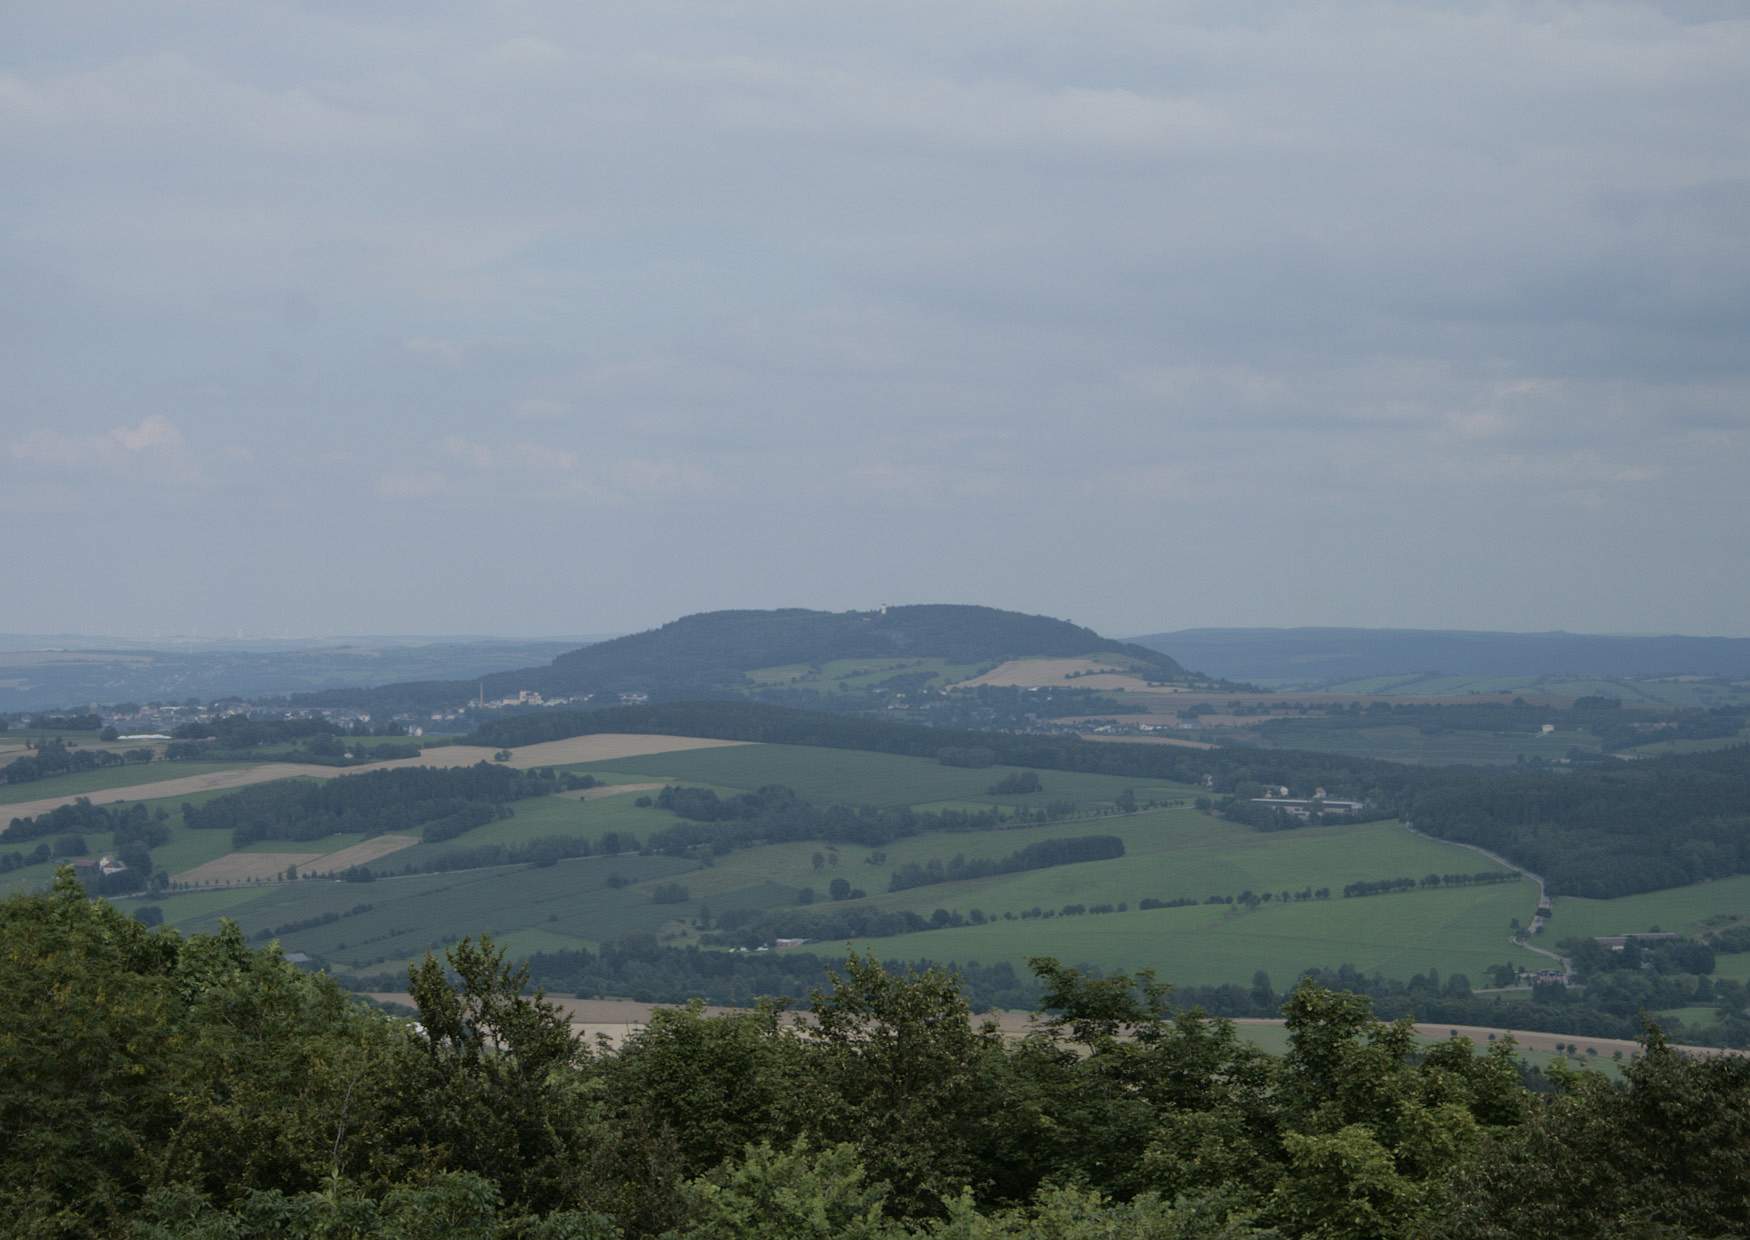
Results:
<point x="1616" y="942"/>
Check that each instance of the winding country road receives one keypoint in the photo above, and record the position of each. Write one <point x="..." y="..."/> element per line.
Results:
<point x="1542" y="896"/>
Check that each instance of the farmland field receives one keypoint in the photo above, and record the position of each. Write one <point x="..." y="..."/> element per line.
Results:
<point x="181" y="782"/>
<point x="241" y="867"/>
<point x="1171" y="852"/>
<point x="1404" y="743"/>
<point x="1683" y="909"/>
<point x="856" y="777"/>
<point x="1114" y="671"/>
<point x="1455" y="931"/>
<point x="1555" y="689"/>
<point x="79" y="783"/>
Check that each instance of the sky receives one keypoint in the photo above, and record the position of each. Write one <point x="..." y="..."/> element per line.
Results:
<point x="530" y="317"/>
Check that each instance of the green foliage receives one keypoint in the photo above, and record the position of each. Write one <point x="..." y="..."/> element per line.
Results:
<point x="793" y="1195"/>
<point x="440" y="802"/>
<point x="154" y="1086"/>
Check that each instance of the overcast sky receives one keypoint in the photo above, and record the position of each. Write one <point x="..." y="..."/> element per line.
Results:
<point x="524" y="317"/>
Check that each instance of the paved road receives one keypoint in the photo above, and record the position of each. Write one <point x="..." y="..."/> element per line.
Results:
<point x="1542" y="896"/>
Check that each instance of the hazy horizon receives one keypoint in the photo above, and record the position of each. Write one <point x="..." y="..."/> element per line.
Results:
<point x="246" y="637"/>
<point x="534" y="317"/>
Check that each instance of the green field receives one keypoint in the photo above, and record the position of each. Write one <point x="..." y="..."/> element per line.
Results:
<point x="1632" y="692"/>
<point x="1404" y="743"/>
<point x="1682" y="909"/>
<point x="1172" y="852"/>
<point x="79" y="783"/>
<point x="1457" y="931"/>
<point x="855" y="777"/>
<point x="572" y="900"/>
<point x="1689" y="746"/>
<point x="1735" y="967"/>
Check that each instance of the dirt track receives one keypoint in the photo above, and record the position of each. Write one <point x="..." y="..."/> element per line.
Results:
<point x="600" y="748"/>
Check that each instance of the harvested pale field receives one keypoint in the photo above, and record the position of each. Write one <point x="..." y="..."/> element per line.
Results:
<point x="607" y="746"/>
<point x="618" y="1019"/>
<point x="1057" y="673"/>
<point x="601" y="748"/>
<point x="609" y="790"/>
<point x="244" y="867"/>
<point x="1181" y="742"/>
<point x="248" y="867"/>
<point x="213" y="781"/>
<point x="362" y="853"/>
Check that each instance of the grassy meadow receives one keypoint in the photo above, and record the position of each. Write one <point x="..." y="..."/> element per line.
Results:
<point x="1172" y="851"/>
<point x="1690" y="909"/>
<point x="856" y="777"/>
<point x="1404" y="743"/>
<point x="1456" y="931"/>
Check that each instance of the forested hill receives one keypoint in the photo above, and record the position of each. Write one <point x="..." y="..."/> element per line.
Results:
<point x="1326" y="656"/>
<point x="713" y="651"/>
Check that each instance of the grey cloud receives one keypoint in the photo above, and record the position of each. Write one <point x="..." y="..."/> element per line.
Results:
<point x="1091" y="309"/>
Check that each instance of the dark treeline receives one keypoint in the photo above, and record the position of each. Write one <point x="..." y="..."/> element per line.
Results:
<point x="1383" y="886"/>
<point x="775" y="814"/>
<point x="544" y="851"/>
<point x="156" y="1086"/>
<point x="134" y="831"/>
<point x="1706" y="725"/>
<point x="56" y="757"/>
<point x="242" y="732"/>
<point x="637" y="967"/>
<point x="237" y="738"/>
<point x="307" y="923"/>
<point x="443" y="801"/>
<point x="1600" y="832"/>
<point x="1035" y="856"/>
<point x="1345" y="776"/>
<point x="1597" y="831"/>
<point x="1020" y="783"/>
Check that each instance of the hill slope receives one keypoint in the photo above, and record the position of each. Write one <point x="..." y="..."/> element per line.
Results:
<point x="712" y="652"/>
<point x="1324" y="656"/>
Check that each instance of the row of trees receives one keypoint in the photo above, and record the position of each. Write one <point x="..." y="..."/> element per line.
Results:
<point x="443" y="800"/>
<point x="776" y="814"/>
<point x="1384" y="886"/>
<point x="1035" y="856"/>
<point x="56" y="757"/>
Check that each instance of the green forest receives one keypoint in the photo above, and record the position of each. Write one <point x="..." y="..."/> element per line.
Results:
<point x="155" y="1085"/>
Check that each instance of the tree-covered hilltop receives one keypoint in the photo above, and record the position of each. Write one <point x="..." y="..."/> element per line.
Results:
<point x="154" y="1086"/>
<point x="712" y="652"/>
